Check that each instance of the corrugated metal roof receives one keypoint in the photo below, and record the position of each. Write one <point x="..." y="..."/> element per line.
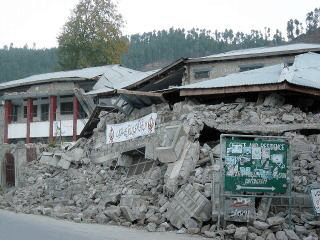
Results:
<point x="110" y="80"/>
<point x="85" y="73"/>
<point x="304" y="72"/>
<point x="262" y="50"/>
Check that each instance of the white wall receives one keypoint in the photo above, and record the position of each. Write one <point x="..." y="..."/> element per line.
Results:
<point x="41" y="129"/>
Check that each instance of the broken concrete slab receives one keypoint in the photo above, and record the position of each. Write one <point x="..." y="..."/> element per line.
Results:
<point x="64" y="163"/>
<point x="172" y="145"/>
<point x="132" y="207"/>
<point x="188" y="203"/>
<point x="178" y="172"/>
<point x="48" y="158"/>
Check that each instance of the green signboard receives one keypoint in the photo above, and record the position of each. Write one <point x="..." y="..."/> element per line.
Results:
<point x="255" y="165"/>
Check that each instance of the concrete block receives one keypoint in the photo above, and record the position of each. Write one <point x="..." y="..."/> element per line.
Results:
<point x="49" y="159"/>
<point x="64" y="163"/>
<point x="178" y="172"/>
<point x="132" y="207"/>
<point x="241" y="233"/>
<point x="113" y="212"/>
<point x="106" y="158"/>
<point x="128" y="213"/>
<point x="188" y="203"/>
<point x="172" y="145"/>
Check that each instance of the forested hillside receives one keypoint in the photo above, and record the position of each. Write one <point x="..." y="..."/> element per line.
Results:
<point x="16" y="63"/>
<point x="162" y="47"/>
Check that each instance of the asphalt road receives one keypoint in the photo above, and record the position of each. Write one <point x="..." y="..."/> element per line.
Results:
<point x="14" y="226"/>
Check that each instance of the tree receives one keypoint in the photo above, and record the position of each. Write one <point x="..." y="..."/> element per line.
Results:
<point x="92" y="36"/>
<point x="290" y="28"/>
<point x="312" y="20"/>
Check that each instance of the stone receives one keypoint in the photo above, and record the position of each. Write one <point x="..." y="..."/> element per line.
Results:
<point x="191" y="223"/>
<point x="312" y="236"/>
<point x="281" y="235"/>
<point x="155" y="219"/>
<point x="47" y="211"/>
<point x="182" y="231"/>
<point x="102" y="218"/>
<point x="193" y="230"/>
<point x="300" y="230"/>
<point x="265" y="233"/>
<point x="252" y="236"/>
<point x="113" y="212"/>
<point x="314" y="223"/>
<point x="128" y="213"/>
<point x="287" y="118"/>
<point x="254" y="230"/>
<point x="276" y="228"/>
<point x="241" y="233"/>
<point x="77" y="154"/>
<point x="210" y="234"/>
<point x="260" y="225"/>
<point x="275" y="220"/>
<point x="64" y="163"/>
<point x="205" y="228"/>
<point x="164" y="207"/>
<point x="291" y="234"/>
<point x="166" y="226"/>
<point x="151" y="227"/>
<point x="271" y="236"/>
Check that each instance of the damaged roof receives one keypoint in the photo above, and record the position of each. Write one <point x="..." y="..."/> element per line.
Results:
<point x="304" y="72"/>
<point x="297" y="48"/>
<point x="117" y="80"/>
<point x="79" y="74"/>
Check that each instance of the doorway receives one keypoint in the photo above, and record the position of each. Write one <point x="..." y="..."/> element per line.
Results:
<point x="10" y="170"/>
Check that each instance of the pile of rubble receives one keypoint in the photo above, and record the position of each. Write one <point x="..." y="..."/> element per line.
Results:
<point x="176" y="192"/>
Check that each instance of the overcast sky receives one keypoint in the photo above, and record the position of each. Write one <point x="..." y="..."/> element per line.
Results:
<point x="40" y="21"/>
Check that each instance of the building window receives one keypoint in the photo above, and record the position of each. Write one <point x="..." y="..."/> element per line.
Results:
<point x="14" y="113"/>
<point x="34" y="111"/>
<point x="202" y="74"/>
<point x="66" y="108"/>
<point x="44" y="112"/>
<point x="246" y="67"/>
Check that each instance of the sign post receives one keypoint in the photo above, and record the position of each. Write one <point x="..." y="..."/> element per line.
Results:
<point x="252" y="165"/>
<point x="315" y="198"/>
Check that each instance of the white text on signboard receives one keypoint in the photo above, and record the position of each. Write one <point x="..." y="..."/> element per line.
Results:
<point x="130" y="130"/>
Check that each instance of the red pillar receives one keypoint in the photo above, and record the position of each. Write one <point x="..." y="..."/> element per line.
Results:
<point x="7" y="119"/>
<point x="75" y="117"/>
<point x="29" y="118"/>
<point x="52" y="115"/>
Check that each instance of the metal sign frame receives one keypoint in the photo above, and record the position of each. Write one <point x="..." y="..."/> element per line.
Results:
<point x="314" y="194"/>
<point x="283" y="191"/>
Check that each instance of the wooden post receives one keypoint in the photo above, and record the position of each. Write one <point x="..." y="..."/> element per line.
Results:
<point x="75" y="118"/>
<point x="52" y="116"/>
<point x="29" y="118"/>
<point x="7" y="119"/>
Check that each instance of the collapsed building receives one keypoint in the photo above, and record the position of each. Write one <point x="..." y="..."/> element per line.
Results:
<point x="149" y="155"/>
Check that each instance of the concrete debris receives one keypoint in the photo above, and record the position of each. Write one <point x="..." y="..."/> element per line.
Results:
<point x="170" y="180"/>
<point x="188" y="203"/>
